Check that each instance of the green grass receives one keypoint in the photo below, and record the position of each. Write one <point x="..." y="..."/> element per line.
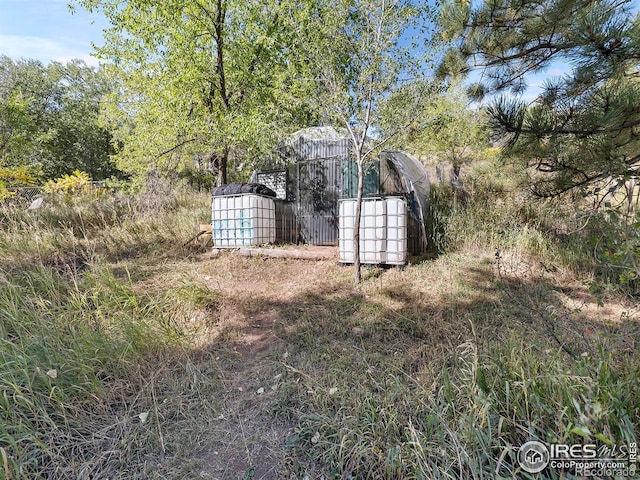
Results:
<point x="124" y="354"/>
<point x="449" y="386"/>
<point x="61" y="347"/>
<point x="598" y="246"/>
<point x="78" y="337"/>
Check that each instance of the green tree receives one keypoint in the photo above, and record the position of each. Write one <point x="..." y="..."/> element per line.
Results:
<point x="49" y="118"/>
<point x="24" y="90"/>
<point x="445" y="127"/>
<point x="584" y="126"/>
<point x="80" y="141"/>
<point x="361" y="53"/>
<point x="208" y="81"/>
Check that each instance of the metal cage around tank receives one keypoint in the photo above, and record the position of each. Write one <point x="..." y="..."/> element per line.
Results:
<point x="242" y="220"/>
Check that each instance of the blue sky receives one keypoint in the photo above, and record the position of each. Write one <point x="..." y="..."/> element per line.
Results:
<point x="46" y="30"/>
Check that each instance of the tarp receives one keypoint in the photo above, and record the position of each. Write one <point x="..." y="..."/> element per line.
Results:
<point x="238" y="188"/>
<point x="414" y="179"/>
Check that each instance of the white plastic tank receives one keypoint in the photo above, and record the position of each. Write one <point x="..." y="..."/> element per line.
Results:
<point x="243" y="220"/>
<point x="396" y="231"/>
<point x="346" y="223"/>
<point x="383" y="231"/>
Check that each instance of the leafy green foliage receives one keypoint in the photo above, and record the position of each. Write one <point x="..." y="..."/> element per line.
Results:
<point x="18" y="176"/>
<point x="361" y="50"/>
<point x="211" y="81"/>
<point x="445" y="128"/>
<point x="49" y="118"/>
<point x="613" y="240"/>
<point x="583" y="128"/>
<point x="78" y="182"/>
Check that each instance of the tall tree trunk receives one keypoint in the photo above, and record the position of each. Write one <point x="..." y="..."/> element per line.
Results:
<point x="221" y="13"/>
<point x="357" y="274"/>
<point x="221" y="164"/>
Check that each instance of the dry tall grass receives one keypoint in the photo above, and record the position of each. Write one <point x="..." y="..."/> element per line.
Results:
<point x="125" y="355"/>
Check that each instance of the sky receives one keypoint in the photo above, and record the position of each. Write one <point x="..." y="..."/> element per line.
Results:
<point x="46" y="30"/>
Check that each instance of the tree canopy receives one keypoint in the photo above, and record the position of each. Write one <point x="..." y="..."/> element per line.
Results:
<point x="445" y="127"/>
<point x="49" y="118"/>
<point x="584" y="127"/>
<point x="361" y="51"/>
<point x="207" y="80"/>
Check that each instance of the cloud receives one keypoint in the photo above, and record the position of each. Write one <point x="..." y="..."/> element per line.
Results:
<point x="43" y="49"/>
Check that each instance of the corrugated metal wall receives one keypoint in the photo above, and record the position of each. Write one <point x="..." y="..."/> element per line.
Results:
<point x="317" y="200"/>
<point x="317" y="169"/>
<point x="286" y="223"/>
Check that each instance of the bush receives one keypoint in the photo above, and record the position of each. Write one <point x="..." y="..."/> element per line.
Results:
<point x="4" y="192"/>
<point x="602" y="246"/>
<point x="76" y="183"/>
<point x="18" y="176"/>
<point x="610" y="241"/>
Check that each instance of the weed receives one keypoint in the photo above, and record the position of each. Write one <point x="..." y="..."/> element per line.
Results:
<point x="123" y="355"/>
<point x="447" y="384"/>
<point x="76" y="340"/>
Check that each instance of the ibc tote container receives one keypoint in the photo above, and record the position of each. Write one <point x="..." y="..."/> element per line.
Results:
<point x="396" y="230"/>
<point x="372" y="231"/>
<point x="243" y="220"/>
<point x="383" y="231"/>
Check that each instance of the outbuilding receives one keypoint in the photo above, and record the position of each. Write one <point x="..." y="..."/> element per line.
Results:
<point x="315" y="169"/>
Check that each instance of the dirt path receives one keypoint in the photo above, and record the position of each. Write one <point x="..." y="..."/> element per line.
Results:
<point x="249" y="439"/>
<point x="244" y="422"/>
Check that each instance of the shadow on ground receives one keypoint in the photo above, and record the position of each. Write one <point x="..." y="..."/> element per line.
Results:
<point x="286" y="329"/>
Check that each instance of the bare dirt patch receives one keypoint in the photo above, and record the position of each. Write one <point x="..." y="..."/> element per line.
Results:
<point x="248" y="440"/>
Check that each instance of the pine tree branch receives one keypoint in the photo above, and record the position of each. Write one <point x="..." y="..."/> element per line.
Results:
<point x="581" y="132"/>
<point x="554" y="49"/>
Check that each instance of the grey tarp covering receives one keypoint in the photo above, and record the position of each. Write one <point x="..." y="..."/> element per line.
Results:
<point x="238" y="188"/>
<point x="403" y="173"/>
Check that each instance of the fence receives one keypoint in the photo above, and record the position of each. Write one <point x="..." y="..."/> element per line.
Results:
<point x="26" y="195"/>
<point x="22" y="195"/>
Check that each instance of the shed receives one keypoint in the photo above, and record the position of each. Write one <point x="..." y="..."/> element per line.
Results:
<point x="315" y="168"/>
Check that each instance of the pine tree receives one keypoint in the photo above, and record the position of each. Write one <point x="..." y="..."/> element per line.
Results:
<point x="585" y="126"/>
